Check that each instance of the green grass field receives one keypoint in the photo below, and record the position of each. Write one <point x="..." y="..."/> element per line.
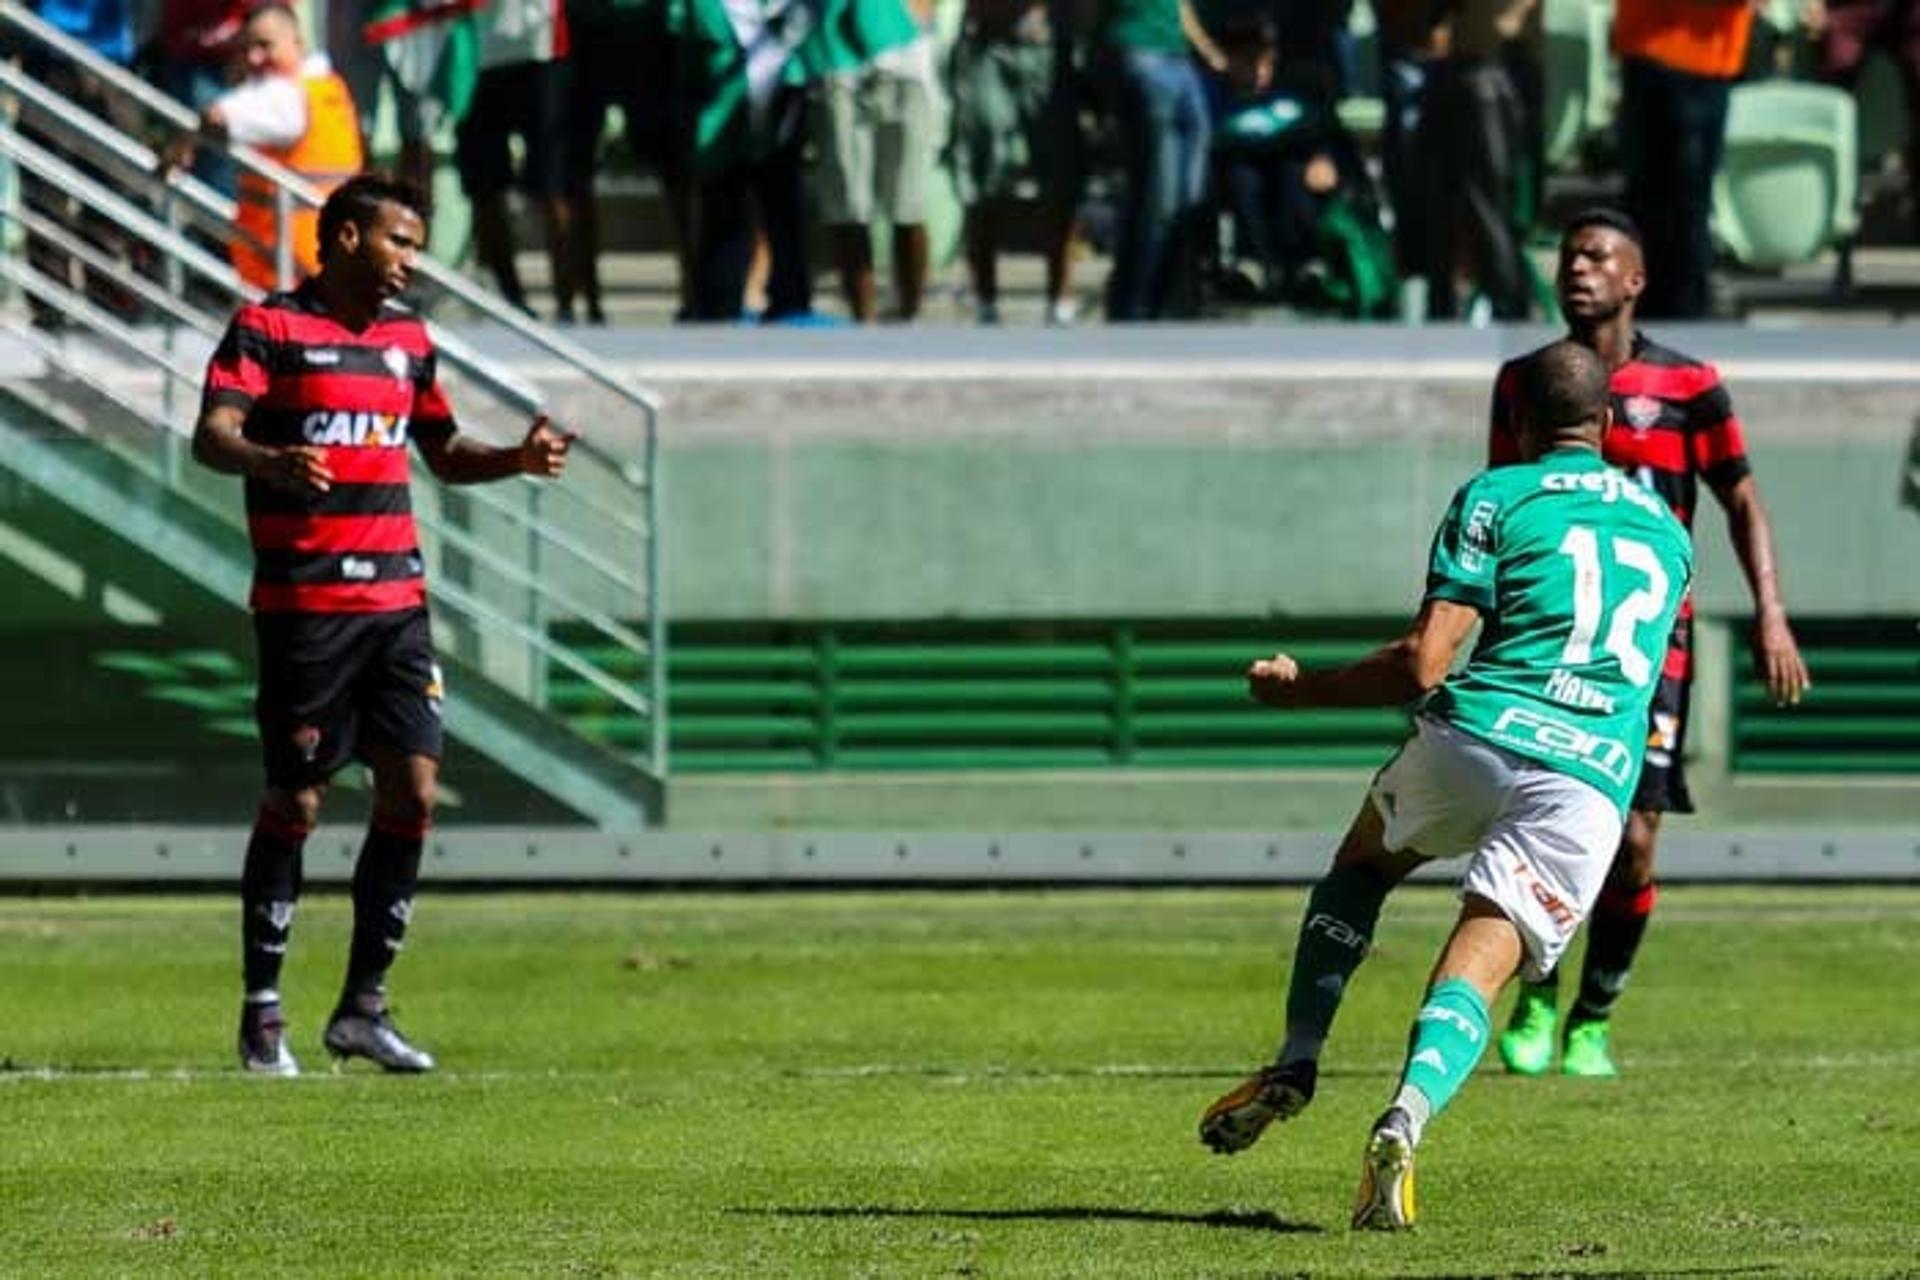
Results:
<point x="935" y="1085"/>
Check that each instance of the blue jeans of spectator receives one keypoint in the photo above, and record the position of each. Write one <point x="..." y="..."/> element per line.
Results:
<point x="1161" y="111"/>
<point x="1673" y="128"/>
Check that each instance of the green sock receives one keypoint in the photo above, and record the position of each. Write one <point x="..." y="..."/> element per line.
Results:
<point x="1449" y="1033"/>
<point x="1333" y="941"/>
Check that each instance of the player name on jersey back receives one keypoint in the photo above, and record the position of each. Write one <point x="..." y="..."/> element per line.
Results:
<point x="1577" y="571"/>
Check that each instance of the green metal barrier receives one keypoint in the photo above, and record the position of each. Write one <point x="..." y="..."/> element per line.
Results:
<point x="990" y="695"/>
<point x="1861" y="716"/>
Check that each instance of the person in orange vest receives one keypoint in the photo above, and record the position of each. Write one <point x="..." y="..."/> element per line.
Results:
<point x="292" y="108"/>
<point x="1678" y="63"/>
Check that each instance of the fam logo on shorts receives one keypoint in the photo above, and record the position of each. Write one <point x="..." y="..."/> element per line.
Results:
<point x="436" y="689"/>
<point x="306" y="740"/>
<point x="1640" y="412"/>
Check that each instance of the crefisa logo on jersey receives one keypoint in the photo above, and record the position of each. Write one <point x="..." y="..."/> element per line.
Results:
<point x="1640" y="412"/>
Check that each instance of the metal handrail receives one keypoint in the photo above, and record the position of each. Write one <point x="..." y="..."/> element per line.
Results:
<point x="104" y="141"/>
<point x="452" y="281"/>
<point x="117" y="208"/>
<point x="136" y="167"/>
<point x="470" y="545"/>
<point x="51" y="352"/>
<point x="540" y="640"/>
<point x="44" y="164"/>
<point x="58" y="295"/>
<point x="119" y="272"/>
<point x="584" y="555"/>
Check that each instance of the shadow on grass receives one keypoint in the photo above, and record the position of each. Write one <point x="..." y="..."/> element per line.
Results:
<point x="1228" y="1219"/>
<point x="910" y="1070"/>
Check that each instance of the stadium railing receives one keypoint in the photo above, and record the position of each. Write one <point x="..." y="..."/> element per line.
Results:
<point x="122" y="353"/>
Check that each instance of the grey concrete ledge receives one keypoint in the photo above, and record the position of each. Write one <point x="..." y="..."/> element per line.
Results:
<point x="182" y="856"/>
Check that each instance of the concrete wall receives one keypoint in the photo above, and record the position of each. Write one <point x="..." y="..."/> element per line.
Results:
<point x="1070" y="498"/>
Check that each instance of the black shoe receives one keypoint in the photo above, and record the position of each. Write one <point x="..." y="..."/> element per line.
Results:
<point x="353" y="1033"/>
<point x="263" y="1042"/>
<point x="1236" y="1121"/>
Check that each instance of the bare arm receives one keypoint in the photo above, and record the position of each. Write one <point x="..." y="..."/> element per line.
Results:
<point x="1390" y="676"/>
<point x="1203" y="43"/>
<point x="459" y="460"/>
<point x="1776" y="655"/>
<point x="219" y="445"/>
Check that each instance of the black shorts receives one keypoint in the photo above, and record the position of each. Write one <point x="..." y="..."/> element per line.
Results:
<point x="1663" y="779"/>
<point x="334" y="684"/>
<point x="527" y="98"/>
<point x="627" y="62"/>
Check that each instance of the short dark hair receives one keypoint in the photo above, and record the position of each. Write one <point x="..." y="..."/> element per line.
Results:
<point x="1562" y="386"/>
<point x="358" y="200"/>
<point x="1604" y="216"/>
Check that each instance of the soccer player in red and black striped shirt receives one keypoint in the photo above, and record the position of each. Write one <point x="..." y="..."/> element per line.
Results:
<point x="1673" y="427"/>
<point x="313" y="397"/>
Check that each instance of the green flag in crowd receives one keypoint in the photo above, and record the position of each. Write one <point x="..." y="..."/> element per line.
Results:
<point x="433" y="47"/>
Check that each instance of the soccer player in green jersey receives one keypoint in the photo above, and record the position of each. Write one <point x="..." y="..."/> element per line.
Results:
<point x="1525" y="760"/>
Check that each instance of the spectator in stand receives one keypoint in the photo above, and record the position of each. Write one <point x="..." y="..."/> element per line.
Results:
<point x="1160" y="116"/>
<point x="523" y="89"/>
<point x="1677" y="67"/>
<point x="1014" y="112"/>
<point x="105" y="27"/>
<point x="1413" y="41"/>
<point x="1476" y="127"/>
<point x="294" y="109"/>
<point x="750" y="137"/>
<point x="875" y="137"/>
<point x="1847" y="32"/>
<point x="623" y="55"/>
<point x="365" y="70"/>
<point x="193" y="52"/>
<point x="1279" y="155"/>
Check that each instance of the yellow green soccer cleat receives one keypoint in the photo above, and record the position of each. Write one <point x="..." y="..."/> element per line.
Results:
<point x="1586" y="1052"/>
<point x="1236" y="1120"/>
<point x="1385" y="1201"/>
<point x="1526" y="1046"/>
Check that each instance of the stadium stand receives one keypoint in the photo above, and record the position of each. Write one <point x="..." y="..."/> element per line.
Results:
<point x="1788" y="186"/>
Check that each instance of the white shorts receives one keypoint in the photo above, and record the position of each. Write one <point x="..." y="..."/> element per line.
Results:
<point x="1541" y="841"/>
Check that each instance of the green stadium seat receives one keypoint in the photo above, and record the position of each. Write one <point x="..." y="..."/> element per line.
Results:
<point x="1578" y="66"/>
<point x="1787" y="187"/>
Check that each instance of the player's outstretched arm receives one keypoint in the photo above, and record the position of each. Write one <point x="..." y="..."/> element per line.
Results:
<point x="220" y="445"/>
<point x="1776" y="654"/>
<point x="1390" y="676"/>
<point x="458" y="460"/>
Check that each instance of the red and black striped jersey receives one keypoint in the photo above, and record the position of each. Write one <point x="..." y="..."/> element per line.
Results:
<point x="1673" y="426"/>
<point x="304" y="378"/>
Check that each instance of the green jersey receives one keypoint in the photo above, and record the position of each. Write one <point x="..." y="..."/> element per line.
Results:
<point x="1577" y="572"/>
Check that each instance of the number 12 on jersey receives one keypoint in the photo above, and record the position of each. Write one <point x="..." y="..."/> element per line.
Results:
<point x="1595" y="594"/>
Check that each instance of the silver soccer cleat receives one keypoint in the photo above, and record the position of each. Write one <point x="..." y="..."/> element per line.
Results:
<point x="373" y="1036"/>
<point x="263" y="1042"/>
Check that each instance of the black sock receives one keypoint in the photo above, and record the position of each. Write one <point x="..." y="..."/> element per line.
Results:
<point x="269" y="889"/>
<point x="383" y="884"/>
<point x="1613" y="936"/>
